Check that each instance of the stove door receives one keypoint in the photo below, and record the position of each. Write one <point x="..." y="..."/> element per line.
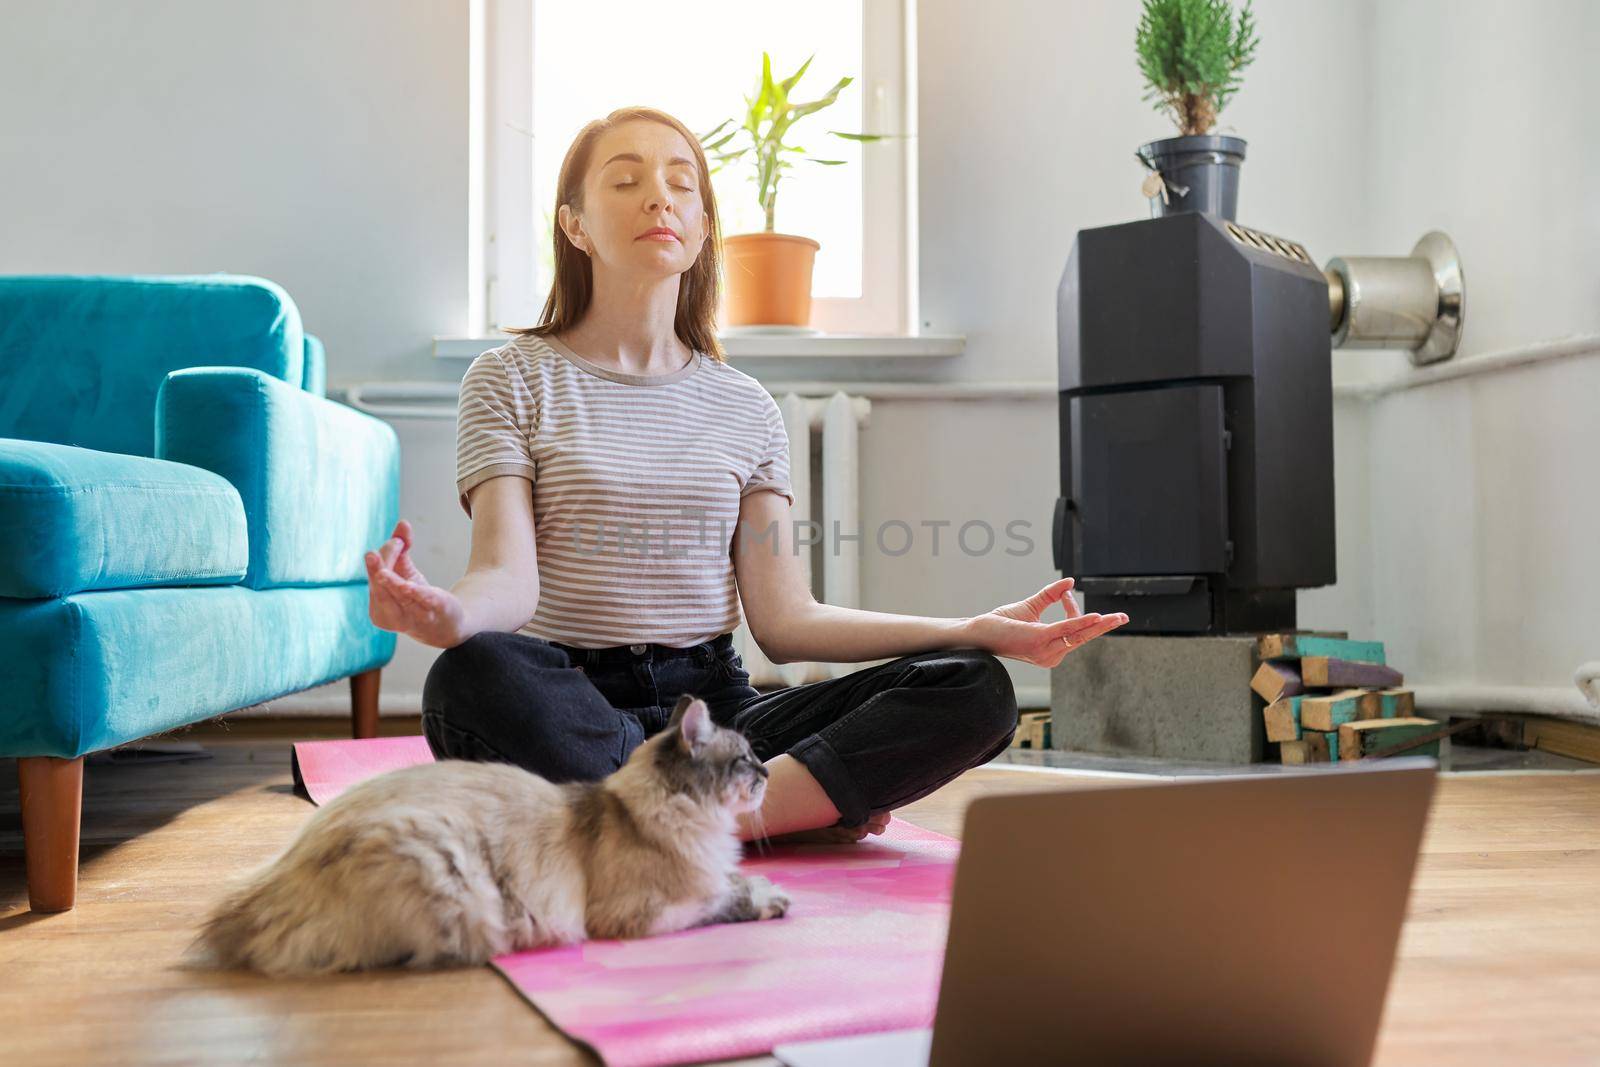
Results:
<point x="1147" y="483"/>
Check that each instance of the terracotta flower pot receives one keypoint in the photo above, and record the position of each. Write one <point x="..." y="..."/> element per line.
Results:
<point x="768" y="279"/>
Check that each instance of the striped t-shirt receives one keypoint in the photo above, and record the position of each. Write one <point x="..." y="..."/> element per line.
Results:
<point x="636" y="479"/>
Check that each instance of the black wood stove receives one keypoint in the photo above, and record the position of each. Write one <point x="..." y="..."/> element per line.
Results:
<point x="1196" y="425"/>
<point x="1195" y="359"/>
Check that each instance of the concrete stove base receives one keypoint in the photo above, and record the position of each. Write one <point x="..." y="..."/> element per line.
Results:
<point x="1182" y="698"/>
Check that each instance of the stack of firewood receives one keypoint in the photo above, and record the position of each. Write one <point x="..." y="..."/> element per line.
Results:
<point x="1033" y="730"/>
<point x="1330" y="698"/>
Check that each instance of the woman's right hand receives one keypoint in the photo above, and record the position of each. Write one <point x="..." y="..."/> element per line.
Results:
<point x="400" y="599"/>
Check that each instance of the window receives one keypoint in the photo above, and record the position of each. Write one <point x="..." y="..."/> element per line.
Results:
<point x="542" y="68"/>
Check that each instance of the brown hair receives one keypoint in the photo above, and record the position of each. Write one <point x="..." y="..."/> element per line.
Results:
<point x="573" y="287"/>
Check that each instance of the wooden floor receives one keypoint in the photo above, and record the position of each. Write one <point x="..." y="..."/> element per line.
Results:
<point x="1500" y="960"/>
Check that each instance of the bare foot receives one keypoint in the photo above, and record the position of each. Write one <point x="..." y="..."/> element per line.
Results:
<point x="835" y="835"/>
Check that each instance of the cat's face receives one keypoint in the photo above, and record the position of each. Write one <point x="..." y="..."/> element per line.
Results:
<point x="695" y="756"/>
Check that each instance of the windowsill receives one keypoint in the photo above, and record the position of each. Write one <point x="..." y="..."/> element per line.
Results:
<point x="783" y="346"/>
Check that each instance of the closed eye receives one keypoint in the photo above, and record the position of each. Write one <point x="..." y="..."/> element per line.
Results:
<point x="624" y="185"/>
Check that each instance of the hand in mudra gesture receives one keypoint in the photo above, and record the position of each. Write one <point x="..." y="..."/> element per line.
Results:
<point x="400" y="599"/>
<point x="1014" y="630"/>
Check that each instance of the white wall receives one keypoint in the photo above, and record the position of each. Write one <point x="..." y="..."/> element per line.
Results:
<point x="1030" y="115"/>
<point x="1485" y="520"/>
<point x="322" y="145"/>
<point x="1477" y="519"/>
<point x="1480" y="127"/>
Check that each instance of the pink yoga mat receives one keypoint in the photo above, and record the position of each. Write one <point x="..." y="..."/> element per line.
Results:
<point x="859" y="951"/>
<point x="327" y="768"/>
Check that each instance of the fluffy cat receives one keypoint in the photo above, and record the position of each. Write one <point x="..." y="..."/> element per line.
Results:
<point x="453" y="862"/>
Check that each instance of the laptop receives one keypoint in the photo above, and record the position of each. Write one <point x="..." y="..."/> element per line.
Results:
<point x="1241" y="919"/>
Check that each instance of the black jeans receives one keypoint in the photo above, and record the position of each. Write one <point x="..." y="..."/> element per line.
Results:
<point x="874" y="739"/>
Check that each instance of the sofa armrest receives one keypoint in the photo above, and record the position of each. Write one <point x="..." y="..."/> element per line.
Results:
<point x="319" y="480"/>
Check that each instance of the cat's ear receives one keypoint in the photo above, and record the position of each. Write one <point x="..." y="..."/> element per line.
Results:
<point x="695" y="725"/>
<point x="677" y="712"/>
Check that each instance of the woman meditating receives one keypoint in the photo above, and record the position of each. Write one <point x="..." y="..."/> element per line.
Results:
<point x="628" y="489"/>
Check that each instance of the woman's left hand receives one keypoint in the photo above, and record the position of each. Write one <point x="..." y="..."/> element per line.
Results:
<point x="1014" y="630"/>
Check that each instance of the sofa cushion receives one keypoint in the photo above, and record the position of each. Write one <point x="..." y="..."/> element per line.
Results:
<point x="74" y="519"/>
<point x="94" y="670"/>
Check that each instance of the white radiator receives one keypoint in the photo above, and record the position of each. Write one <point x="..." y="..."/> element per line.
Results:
<point x="831" y="421"/>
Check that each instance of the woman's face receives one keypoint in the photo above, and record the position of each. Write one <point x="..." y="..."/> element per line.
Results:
<point x="642" y="177"/>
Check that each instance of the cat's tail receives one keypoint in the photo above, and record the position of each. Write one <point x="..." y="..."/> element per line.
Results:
<point x="265" y="925"/>
<point x="280" y="923"/>
<point x="226" y="938"/>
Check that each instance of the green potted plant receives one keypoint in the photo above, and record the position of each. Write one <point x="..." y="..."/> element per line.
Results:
<point x="769" y="273"/>
<point x="1191" y="53"/>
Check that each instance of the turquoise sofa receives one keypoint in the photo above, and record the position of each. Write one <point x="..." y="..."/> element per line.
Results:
<point x="183" y="516"/>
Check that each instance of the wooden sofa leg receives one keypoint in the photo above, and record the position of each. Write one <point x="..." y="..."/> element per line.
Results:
<point x="364" y="703"/>
<point x="52" y="809"/>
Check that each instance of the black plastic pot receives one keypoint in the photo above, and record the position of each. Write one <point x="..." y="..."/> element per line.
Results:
<point x="1201" y="172"/>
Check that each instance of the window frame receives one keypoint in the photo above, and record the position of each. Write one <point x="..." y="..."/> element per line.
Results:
<point x="502" y="219"/>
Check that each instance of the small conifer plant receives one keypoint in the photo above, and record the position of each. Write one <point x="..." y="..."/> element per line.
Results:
<point x="1191" y="53"/>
